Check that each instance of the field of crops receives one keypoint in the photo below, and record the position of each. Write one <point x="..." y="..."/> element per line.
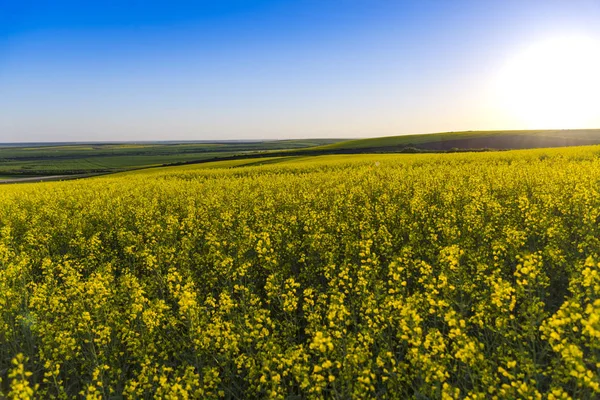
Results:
<point x="40" y="159"/>
<point x="525" y="139"/>
<point x="389" y="276"/>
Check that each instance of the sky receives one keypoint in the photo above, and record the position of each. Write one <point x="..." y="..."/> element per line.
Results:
<point x="278" y="69"/>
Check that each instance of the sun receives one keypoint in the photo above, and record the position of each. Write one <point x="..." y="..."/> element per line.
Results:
<point x="553" y="84"/>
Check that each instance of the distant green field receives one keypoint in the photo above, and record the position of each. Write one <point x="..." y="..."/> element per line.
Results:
<point x="43" y="159"/>
<point x="473" y="140"/>
<point x="70" y="159"/>
<point x="98" y="163"/>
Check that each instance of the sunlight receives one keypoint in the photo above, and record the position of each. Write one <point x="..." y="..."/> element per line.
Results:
<point x="553" y="84"/>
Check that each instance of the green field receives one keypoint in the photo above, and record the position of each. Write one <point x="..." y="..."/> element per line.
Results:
<point x="95" y="158"/>
<point x="473" y="140"/>
<point x="69" y="159"/>
<point x="76" y="159"/>
<point x="452" y="275"/>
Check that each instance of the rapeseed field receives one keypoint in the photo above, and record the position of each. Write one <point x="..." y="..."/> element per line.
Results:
<point x="376" y="276"/>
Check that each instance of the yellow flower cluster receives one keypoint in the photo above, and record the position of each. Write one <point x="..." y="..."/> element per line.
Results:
<point x="445" y="276"/>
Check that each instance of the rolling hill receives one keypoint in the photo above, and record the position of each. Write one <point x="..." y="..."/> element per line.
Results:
<point x="468" y="140"/>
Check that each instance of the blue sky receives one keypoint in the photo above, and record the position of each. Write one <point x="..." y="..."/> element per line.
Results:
<point x="194" y="70"/>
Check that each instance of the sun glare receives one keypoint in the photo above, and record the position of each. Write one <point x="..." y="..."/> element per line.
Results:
<point x="553" y="84"/>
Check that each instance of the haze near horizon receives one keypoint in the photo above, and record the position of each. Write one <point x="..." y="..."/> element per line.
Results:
<point x="200" y="70"/>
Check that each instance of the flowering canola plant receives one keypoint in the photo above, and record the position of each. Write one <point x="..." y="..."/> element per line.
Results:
<point x="393" y="276"/>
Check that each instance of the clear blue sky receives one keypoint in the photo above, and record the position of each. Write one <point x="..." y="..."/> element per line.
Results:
<point x="222" y="69"/>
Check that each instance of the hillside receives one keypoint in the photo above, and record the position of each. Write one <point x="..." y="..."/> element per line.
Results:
<point x="500" y="140"/>
<point x="67" y="160"/>
<point x="29" y="160"/>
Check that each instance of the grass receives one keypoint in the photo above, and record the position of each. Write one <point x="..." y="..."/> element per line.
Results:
<point x="89" y="158"/>
<point x="57" y="159"/>
<point x="473" y="140"/>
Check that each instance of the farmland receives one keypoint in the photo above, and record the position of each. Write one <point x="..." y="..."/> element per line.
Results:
<point x="70" y="159"/>
<point x="473" y="140"/>
<point x="466" y="275"/>
<point x="88" y="158"/>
